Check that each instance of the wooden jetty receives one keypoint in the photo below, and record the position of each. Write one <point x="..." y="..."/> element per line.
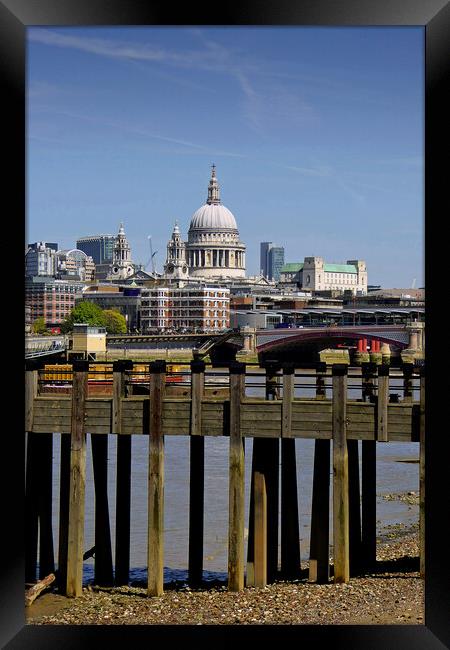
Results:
<point x="335" y="422"/>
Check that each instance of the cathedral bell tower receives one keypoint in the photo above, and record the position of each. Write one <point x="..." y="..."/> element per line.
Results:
<point x="122" y="266"/>
<point x="175" y="267"/>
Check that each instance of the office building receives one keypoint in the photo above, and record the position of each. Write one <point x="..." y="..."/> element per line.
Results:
<point x="271" y="260"/>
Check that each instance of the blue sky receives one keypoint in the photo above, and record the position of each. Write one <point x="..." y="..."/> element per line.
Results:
<point x="317" y="135"/>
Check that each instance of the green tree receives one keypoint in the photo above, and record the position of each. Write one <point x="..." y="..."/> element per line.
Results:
<point x="115" y="322"/>
<point x="39" y="326"/>
<point x="84" y="312"/>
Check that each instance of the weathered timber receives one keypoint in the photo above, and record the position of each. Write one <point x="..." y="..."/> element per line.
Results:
<point x="33" y="592"/>
<point x="197" y="476"/>
<point x="198" y="415"/>
<point x="368" y="478"/>
<point x="64" y="499"/>
<point x="290" y="537"/>
<point x="45" y="487"/>
<point x="74" y="585"/>
<point x="271" y="451"/>
<point x="382" y="404"/>
<point x="103" y="567"/>
<point x="288" y="397"/>
<point x="31" y="391"/>
<point x="340" y="477"/>
<point x="123" y="477"/>
<point x="354" y="507"/>
<point x="236" y="482"/>
<point x="319" y="562"/>
<point x="408" y="369"/>
<point x="155" y="584"/>
<point x="309" y="419"/>
<point x="422" y="475"/>
<point x="260" y="530"/>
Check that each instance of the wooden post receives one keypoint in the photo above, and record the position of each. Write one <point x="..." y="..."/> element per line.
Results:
<point x="103" y="567"/>
<point x="321" y="371"/>
<point x="260" y="530"/>
<point x="368" y="480"/>
<point x="340" y="476"/>
<point x="270" y="447"/>
<point x="197" y="476"/>
<point x="31" y="391"/>
<point x="319" y="552"/>
<point x="422" y="474"/>
<point x="44" y="450"/>
<point x="288" y="397"/>
<point x="382" y="403"/>
<point x="354" y="504"/>
<point x="74" y="586"/>
<point x="31" y="479"/>
<point x="64" y="499"/>
<point x="408" y="369"/>
<point x="290" y="536"/>
<point x="236" y="482"/>
<point x="123" y="476"/>
<point x="155" y="585"/>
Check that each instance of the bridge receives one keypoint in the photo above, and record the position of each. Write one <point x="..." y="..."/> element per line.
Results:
<point x="220" y="346"/>
<point x="287" y="341"/>
<point x="45" y="346"/>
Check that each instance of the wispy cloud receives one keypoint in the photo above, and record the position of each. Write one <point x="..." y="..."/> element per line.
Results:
<point x="334" y="176"/>
<point x="142" y="131"/>
<point x="263" y="103"/>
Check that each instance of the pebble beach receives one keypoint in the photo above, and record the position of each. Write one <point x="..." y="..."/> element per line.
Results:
<point x="392" y="594"/>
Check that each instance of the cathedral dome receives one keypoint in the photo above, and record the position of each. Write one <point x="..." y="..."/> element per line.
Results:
<point x="213" y="216"/>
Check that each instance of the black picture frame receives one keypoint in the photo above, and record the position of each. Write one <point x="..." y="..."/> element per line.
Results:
<point x="434" y="16"/>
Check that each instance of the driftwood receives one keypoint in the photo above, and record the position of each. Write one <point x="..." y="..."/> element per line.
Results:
<point x="33" y="592"/>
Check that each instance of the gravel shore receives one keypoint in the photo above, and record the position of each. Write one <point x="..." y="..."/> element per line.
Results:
<point x="393" y="594"/>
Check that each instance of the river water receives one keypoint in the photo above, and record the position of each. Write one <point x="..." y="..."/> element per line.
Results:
<point x="394" y="475"/>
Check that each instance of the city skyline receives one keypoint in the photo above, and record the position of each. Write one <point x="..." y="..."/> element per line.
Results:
<point x="317" y="134"/>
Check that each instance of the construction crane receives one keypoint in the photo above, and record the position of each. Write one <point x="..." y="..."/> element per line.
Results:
<point x="152" y="255"/>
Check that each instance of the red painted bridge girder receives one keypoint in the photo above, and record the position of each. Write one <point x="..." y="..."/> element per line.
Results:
<point x="392" y="335"/>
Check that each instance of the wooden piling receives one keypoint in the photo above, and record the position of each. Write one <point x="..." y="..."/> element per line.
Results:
<point x="354" y="504"/>
<point x="74" y="585"/>
<point x="270" y="447"/>
<point x="382" y="403"/>
<point x="422" y="474"/>
<point x="236" y="482"/>
<point x="260" y="530"/>
<point x="408" y="369"/>
<point x="197" y="476"/>
<point x="290" y="538"/>
<point x="64" y="500"/>
<point x="155" y="584"/>
<point x="340" y="476"/>
<point x="44" y="453"/>
<point x="123" y="476"/>
<point x="103" y="565"/>
<point x="368" y="480"/>
<point x="319" y="560"/>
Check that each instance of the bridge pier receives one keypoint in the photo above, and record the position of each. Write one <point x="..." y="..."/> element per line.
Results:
<point x="416" y="347"/>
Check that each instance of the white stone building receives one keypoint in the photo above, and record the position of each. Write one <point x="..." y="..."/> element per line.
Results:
<point x="213" y="250"/>
<point x="316" y="275"/>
